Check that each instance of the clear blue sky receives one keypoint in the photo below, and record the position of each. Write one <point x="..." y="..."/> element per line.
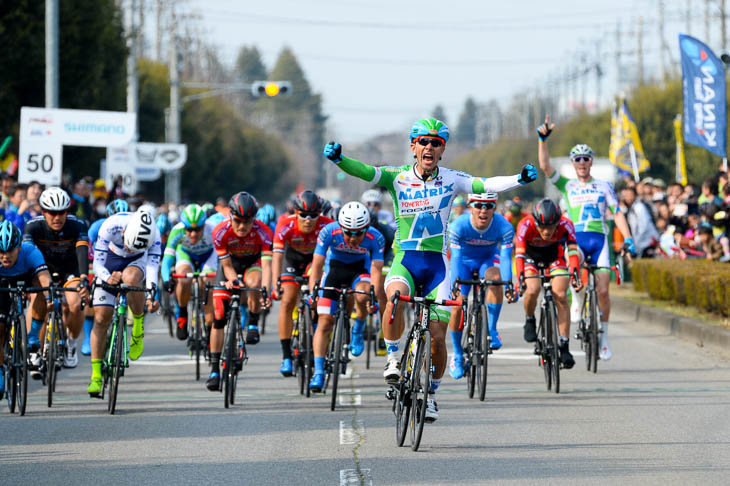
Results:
<point x="380" y="64"/>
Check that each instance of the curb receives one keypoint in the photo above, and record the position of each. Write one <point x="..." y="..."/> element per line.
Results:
<point x="690" y="330"/>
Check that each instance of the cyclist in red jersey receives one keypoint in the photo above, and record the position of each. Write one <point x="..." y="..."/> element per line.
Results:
<point x="541" y="238"/>
<point x="295" y="238"/>
<point x="243" y="245"/>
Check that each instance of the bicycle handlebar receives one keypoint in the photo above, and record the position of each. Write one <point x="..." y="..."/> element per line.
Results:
<point x="193" y="275"/>
<point x="418" y="300"/>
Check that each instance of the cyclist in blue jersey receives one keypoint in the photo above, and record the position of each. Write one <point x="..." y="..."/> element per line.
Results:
<point x="351" y="253"/>
<point x="481" y="241"/>
<point x="267" y="215"/>
<point x="114" y="207"/>
<point x="19" y="262"/>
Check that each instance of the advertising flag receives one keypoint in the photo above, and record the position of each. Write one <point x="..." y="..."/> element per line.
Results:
<point x="703" y="87"/>
<point x="625" y="150"/>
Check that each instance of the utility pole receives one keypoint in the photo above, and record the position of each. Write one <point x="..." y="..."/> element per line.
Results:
<point x="688" y="17"/>
<point x="707" y="22"/>
<point x="640" y="52"/>
<point x="618" y="56"/>
<point x="158" y="26"/>
<point x="723" y="27"/>
<point x="172" y="134"/>
<point x="140" y="30"/>
<point x="132" y="87"/>
<point x="51" y="53"/>
<point x="662" y="44"/>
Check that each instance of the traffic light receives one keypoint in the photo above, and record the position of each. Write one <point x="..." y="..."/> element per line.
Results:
<point x="270" y="88"/>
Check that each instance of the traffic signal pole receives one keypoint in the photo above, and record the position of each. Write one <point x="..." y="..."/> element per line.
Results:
<point x="51" y="53"/>
<point x="172" y="134"/>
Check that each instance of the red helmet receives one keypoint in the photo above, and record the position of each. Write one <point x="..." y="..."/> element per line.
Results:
<point x="243" y="205"/>
<point x="546" y="212"/>
<point x="308" y="202"/>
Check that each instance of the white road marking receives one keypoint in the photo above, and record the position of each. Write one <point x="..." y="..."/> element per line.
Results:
<point x="350" y="435"/>
<point x="165" y="360"/>
<point x="349" y="398"/>
<point x="521" y="354"/>
<point x="350" y="477"/>
<point x="348" y="373"/>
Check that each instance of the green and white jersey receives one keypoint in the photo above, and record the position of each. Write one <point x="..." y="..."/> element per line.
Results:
<point x="421" y="207"/>
<point x="587" y="202"/>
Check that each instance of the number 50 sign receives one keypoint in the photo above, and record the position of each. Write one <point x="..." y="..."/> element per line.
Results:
<point x="40" y="161"/>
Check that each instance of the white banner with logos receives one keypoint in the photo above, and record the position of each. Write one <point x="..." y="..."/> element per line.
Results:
<point x="164" y="156"/>
<point x="85" y="128"/>
<point x="40" y="161"/>
<point x="118" y="164"/>
<point x="44" y="132"/>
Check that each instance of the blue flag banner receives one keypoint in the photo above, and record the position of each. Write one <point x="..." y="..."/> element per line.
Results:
<point x="703" y="86"/>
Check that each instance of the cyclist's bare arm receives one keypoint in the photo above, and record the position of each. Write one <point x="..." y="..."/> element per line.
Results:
<point x="543" y="154"/>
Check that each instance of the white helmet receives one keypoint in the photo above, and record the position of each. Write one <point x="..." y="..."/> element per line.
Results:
<point x="140" y="231"/>
<point x="354" y="216"/>
<point x="372" y="196"/>
<point x="483" y="197"/>
<point x="54" y="199"/>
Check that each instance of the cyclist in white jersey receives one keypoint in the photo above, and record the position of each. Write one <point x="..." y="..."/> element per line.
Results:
<point x="422" y="195"/>
<point x="588" y="200"/>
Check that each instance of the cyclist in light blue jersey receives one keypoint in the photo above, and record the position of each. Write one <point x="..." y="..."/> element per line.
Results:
<point x="481" y="241"/>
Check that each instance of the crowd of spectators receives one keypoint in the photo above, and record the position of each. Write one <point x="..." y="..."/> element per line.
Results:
<point x="676" y="221"/>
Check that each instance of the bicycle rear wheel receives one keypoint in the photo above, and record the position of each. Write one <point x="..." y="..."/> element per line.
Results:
<point x="227" y="365"/>
<point x="117" y="361"/>
<point x="421" y="382"/>
<point x="554" y="346"/>
<point x="51" y="351"/>
<point x="262" y="323"/>
<point x="483" y="352"/>
<point x="338" y="340"/>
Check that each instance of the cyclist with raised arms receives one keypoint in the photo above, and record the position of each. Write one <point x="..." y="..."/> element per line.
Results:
<point x="541" y="238"/>
<point x="422" y="194"/>
<point x="189" y="248"/>
<point x="295" y="239"/>
<point x="588" y="200"/>
<point x="351" y="254"/>
<point x="481" y="241"/>
<point x="114" y="207"/>
<point x="20" y="261"/>
<point x="128" y="251"/>
<point x="64" y="242"/>
<point x="243" y="245"/>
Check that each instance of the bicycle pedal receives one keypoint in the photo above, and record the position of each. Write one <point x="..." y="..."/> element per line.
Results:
<point x="390" y="394"/>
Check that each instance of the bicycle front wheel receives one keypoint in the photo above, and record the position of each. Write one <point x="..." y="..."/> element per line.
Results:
<point x="593" y="333"/>
<point x="227" y="365"/>
<point x="308" y="351"/>
<point x="339" y="340"/>
<point x="197" y="342"/>
<point x="167" y="311"/>
<point x="403" y="398"/>
<point x="297" y="353"/>
<point x="8" y="372"/>
<point x="420" y="384"/>
<point x="118" y="361"/>
<point x="368" y="339"/>
<point x="554" y="347"/>
<point x="543" y="339"/>
<point x="467" y="343"/>
<point x="51" y="355"/>
<point x="483" y="352"/>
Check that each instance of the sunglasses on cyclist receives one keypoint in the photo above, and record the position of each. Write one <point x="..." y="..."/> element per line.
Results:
<point x="308" y="215"/>
<point x="193" y="230"/>
<point x="55" y="213"/>
<point x="484" y="205"/>
<point x="582" y="159"/>
<point x="354" y="233"/>
<point x="242" y="220"/>
<point x="435" y="142"/>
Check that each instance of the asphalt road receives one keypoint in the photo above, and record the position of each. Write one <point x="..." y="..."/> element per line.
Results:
<point x="657" y="413"/>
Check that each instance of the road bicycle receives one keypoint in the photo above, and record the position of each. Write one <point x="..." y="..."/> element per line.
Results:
<point x="167" y="309"/>
<point x="198" y="331"/>
<point x="234" y="354"/>
<point x="116" y="351"/>
<point x="409" y="395"/>
<point x="476" y="340"/>
<point x="16" y="350"/>
<point x="338" y="354"/>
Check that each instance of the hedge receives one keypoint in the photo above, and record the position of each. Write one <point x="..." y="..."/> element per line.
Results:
<point x="697" y="283"/>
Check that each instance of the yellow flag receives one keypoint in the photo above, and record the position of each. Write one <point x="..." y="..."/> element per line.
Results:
<point x="624" y="136"/>
<point x="681" y="164"/>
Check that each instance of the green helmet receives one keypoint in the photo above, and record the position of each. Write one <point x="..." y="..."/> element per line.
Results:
<point x="193" y="216"/>
<point x="430" y="127"/>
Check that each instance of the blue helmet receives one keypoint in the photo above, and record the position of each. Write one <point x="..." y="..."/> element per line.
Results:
<point x="163" y="223"/>
<point x="266" y="214"/>
<point x="117" y="206"/>
<point x="430" y="127"/>
<point x="10" y="237"/>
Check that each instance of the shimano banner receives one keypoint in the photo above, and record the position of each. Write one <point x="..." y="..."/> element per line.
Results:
<point x="703" y="86"/>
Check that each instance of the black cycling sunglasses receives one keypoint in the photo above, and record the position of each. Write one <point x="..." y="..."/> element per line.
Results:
<point x="354" y="233"/>
<point x="484" y="205"/>
<point x="582" y="159"/>
<point x="194" y="230"/>
<point x="55" y="213"/>
<point x="242" y="220"/>
<point x="424" y="141"/>
<point x="304" y="215"/>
